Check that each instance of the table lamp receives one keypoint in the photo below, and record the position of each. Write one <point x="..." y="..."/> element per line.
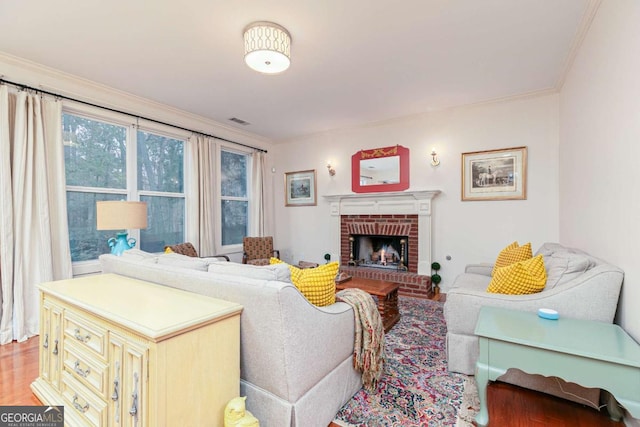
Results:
<point x="121" y="215"/>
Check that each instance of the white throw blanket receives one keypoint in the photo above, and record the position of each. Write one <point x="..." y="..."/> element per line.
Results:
<point x="368" y="348"/>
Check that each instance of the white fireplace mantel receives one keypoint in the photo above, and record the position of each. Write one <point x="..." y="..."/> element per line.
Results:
<point x="392" y="203"/>
<point x="400" y="202"/>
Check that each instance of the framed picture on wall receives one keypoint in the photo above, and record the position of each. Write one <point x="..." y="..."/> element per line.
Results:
<point x="300" y="188"/>
<point x="495" y="174"/>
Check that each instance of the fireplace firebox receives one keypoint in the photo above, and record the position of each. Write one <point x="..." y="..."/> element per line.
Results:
<point x="386" y="252"/>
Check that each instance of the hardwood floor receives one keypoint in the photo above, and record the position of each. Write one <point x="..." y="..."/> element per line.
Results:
<point x="18" y="369"/>
<point x="509" y="406"/>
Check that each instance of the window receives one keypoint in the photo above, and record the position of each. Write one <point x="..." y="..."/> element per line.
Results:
<point x="234" y="208"/>
<point x="95" y="167"/>
<point x="161" y="185"/>
<point x="105" y="160"/>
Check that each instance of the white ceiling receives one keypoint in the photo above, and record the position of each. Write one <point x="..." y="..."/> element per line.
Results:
<point x="353" y="61"/>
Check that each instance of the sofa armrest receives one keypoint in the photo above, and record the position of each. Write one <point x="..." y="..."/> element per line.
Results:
<point x="484" y="269"/>
<point x="305" y="345"/>
<point x="338" y="307"/>
<point x="594" y="296"/>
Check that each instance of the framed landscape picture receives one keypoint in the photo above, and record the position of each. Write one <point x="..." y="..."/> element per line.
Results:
<point x="300" y="188"/>
<point x="495" y="174"/>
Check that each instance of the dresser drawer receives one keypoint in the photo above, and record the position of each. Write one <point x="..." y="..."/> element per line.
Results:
<point x="86" y="367"/>
<point x="83" y="402"/>
<point x="85" y="333"/>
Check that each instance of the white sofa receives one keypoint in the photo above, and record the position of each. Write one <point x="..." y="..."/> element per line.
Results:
<point x="578" y="286"/>
<point x="295" y="358"/>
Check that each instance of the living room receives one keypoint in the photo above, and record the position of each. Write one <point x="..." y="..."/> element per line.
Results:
<point x="581" y="131"/>
<point x="585" y="126"/>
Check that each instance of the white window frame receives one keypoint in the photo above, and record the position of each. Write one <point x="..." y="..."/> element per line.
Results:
<point x="131" y="191"/>
<point x="236" y="248"/>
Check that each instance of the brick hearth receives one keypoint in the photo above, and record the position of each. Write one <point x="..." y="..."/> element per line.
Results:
<point x="411" y="284"/>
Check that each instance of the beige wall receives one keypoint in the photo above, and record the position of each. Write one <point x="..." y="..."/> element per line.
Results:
<point x="600" y="149"/>
<point x="467" y="231"/>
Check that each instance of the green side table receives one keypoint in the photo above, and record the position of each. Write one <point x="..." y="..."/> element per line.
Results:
<point x="589" y="353"/>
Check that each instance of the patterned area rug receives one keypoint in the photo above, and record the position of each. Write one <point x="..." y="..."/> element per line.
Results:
<point x="415" y="390"/>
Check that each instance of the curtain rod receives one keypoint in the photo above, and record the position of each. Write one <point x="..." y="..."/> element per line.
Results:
<point x="57" y="95"/>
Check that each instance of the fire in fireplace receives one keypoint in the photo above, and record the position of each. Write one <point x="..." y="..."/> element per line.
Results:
<point x="388" y="252"/>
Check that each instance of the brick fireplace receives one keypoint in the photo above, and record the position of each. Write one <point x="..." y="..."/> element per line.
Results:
<point x="401" y="215"/>
<point x="400" y="226"/>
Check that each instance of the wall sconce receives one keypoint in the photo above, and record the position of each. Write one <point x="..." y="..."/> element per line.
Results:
<point x="434" y="158"/>
<point x="332" y="170"/>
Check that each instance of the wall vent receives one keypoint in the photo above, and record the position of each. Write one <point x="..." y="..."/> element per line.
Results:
<point x="239" y="121"/>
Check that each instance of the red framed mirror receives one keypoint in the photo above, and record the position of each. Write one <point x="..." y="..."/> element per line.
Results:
<point x="380" y="169"/>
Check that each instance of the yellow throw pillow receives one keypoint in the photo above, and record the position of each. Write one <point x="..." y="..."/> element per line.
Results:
<point x="318" y="285"/>
<point x="522" y="277"/>
<point x="512" y="253"/>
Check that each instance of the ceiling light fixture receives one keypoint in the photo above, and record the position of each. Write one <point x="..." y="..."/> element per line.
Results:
<point x="267" y="47"/>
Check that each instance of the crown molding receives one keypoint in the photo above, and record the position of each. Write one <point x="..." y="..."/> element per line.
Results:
<point x="392" y="120"/>
<point x="585" y="24"/>
<point x="49" y="79"/>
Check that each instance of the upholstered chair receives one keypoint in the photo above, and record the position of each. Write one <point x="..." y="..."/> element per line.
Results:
<point x="188" y="249"/>
<point x="258" y="250"/>
<point x="185" y="248"/>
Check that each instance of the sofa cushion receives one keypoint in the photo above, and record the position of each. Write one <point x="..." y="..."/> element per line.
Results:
<point x="522" y="277"/>
<point x="138" y="255"/>
<point x="279" y="272"/>
<point x="318" y="285"/>
<point x="183" y="261"/>
<point x="511" y="254"/>
<point x="565" y="266"/>
<point x="550" y="248"/>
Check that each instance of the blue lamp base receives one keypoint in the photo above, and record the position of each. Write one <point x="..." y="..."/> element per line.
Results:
<point x="120" y="243"/>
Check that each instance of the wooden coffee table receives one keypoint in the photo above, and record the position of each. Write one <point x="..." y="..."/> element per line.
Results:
<point x="386" y="293"/>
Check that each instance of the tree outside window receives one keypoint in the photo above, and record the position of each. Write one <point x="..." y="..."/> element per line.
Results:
<point x="161" y="185"/>
<point x="96" y="158"/>
<point x="234" y="197"/>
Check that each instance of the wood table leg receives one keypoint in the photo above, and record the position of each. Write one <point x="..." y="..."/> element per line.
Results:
<point x="389" y="309"/>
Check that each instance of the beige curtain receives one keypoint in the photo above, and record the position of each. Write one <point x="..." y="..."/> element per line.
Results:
<point x="260" y="222"/>
<point x="201" y="197"/>
<point x="34" y="237"/>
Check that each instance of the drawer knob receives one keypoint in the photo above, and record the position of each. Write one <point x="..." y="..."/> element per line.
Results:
<point x="46" y="341"/>
<point x="55" y="347"/>
<point x="79" y="371"/>
<point x="81" y="338"/>
<point x="78" y="406"/>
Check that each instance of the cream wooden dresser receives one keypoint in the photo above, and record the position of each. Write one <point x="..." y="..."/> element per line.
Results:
<point x="122" y="352"/>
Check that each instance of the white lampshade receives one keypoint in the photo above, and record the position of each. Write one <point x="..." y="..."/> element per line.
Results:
<point x="267" y="47"/>
<point x="121" y="215"/>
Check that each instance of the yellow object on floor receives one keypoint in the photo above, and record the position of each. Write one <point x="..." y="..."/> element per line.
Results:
<point x="235" y="414"/>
